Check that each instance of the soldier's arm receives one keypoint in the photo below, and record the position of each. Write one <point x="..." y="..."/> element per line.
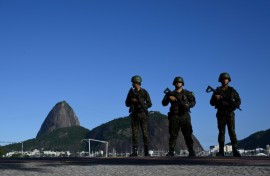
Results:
<point x="191" y="100"/>
<point x="213" y="100"/>
<point x="166" y="100"/>
<point x="128" y="100"/>
<point x="237" y="98"/>
<point x="148" y="100"/>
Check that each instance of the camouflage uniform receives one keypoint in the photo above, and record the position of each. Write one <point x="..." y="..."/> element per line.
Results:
<point x="226" y="116"/>
<point x="179" y="117"/>
<point x="138" y="117"/>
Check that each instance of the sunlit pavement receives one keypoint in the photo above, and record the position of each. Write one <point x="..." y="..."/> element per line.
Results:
<point x="136" y="166"/>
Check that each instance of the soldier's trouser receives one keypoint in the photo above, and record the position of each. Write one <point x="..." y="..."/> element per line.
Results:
<point x="139" y="120"/>
<point x="223" y="119"/>
<point x="176" y="122"/>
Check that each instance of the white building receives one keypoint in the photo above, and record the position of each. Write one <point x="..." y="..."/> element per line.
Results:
<point x="228" y="148"/>
<point x="37" y="153"/>
<point x="215" y="149"/>
<point x="56" y="154"/>
<point x="268" y="149"/>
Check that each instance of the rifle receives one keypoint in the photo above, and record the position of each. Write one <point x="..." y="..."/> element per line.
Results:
<point x="139" y="98"/>
<point x="225" y="98"/>
<point x="167" y="91"/>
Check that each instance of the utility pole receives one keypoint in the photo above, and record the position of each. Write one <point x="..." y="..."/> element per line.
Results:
<point x="22" y="148"/>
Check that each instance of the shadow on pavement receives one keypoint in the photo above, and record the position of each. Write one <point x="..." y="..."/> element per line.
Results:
<point x="20" y="167"/>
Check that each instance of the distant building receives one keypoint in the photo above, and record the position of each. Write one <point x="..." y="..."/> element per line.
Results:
<point x="215" y="149"/>
<point x="56" y="154"/>
<point x="227" y="148"/>
<point x="268" y="149"/>
<point x="38" y="153"/>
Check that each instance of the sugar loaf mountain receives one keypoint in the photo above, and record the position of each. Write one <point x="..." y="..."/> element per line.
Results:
<point x="61" y="131"/>
<point x="61" y="116"/>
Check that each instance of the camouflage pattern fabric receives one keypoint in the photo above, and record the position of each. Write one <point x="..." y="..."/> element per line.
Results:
<point x="179" y="117"/>
<point x="138" y="116"/>
<point x="176" y="122"/>
<point x="225" y="115"/>
<point x="223" y="119"/>
<point x="139" y="120"/>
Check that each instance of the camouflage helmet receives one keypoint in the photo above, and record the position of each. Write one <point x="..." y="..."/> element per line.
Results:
<point x="178" y="79"/>
<point x="224" y="76"/>
<point x="136" y="79"/>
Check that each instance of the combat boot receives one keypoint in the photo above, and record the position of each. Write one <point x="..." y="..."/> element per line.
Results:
<point x="134" y="153"/>
<point x="146" y="151"/>
<point x="220" y="153"/>
<point x="236" y="153"/>
<point x="170" y="153"/>
<point x="221" y="150"/>
<point x="191" y="153"/>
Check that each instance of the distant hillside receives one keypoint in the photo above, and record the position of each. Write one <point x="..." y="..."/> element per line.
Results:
<point x="256" y="140"/>
<point x="118" y="133"/>
<point x="64" y="139"/>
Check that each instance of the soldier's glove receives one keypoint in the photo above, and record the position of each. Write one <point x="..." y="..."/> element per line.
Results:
<point x="134" y="100"/>
<point x="235" y="105"/>
<point x="225" y="103"/>
<point x="186" y="107"/>
<point x="218" y="97"/>
<point x="172" y="98"/>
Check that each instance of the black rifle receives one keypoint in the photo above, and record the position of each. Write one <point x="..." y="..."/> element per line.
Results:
<point x="182" y="104"/>
<point x="139" y="98"/>
<point x="224" y="97"/>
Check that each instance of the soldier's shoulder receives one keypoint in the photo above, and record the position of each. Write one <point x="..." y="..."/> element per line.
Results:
<point x="231" y="88"/>
<point x="219" y="87"/>
<point x="144" y="90"/>
<point x="130" y="90"/>
<point x="188" y="92"/>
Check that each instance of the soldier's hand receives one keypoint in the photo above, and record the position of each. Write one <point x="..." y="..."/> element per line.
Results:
<point x="225" y="103"/>
<point x="172" y="98"/>
<point x="134" y="100"/>
<point x="218" y="97"/>
<point x="186" y="106"/>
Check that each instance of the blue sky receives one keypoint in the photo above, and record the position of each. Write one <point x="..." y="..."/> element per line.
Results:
<point x="86" y="51"/>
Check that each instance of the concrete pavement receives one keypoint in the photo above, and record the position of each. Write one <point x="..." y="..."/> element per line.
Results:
<point x="259" y="166"/>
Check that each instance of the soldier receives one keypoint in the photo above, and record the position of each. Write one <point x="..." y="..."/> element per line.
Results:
<point x="179" y="116"/>
<point x="138" y="101"/>
<point x="226" y="100"/>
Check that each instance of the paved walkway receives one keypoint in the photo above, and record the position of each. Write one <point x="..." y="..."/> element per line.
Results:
<point x="228" y="166"/>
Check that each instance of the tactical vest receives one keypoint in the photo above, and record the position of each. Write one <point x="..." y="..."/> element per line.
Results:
<point x="230" y="94"/>
<point x="184" y="96"/>
<point x="138" y="108"/>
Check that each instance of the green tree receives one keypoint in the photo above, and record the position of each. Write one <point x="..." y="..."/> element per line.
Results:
<point x="2" y="152"/>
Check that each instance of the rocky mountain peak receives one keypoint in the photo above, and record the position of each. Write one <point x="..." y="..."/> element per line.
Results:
<point x="61" y="116"/>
